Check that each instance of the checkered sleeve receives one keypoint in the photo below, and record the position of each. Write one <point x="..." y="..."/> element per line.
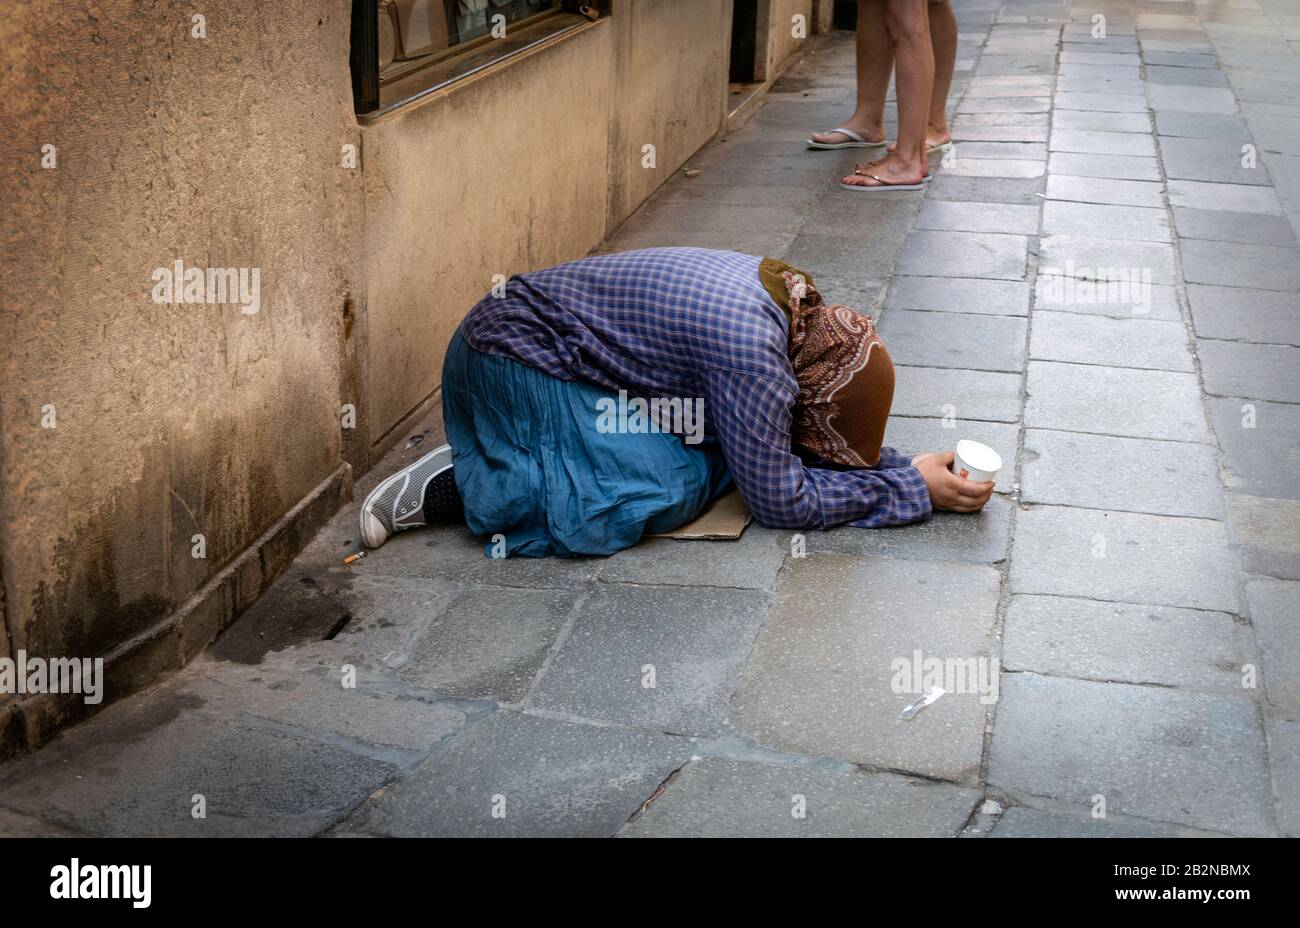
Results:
<point x="751" y="416"/>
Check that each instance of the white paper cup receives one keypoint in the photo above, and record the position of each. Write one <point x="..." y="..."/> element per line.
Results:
<point x="976" y="462"/>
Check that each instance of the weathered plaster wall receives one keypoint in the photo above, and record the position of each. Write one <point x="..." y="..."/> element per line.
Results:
<point x="170" y="420"/>
<point x="781" y="42"/>
<point x="224" y="151"/>
<point x="500" y="174"/>
<point x="670" y="81"/>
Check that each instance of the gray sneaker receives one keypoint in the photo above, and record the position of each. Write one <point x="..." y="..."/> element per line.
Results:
<point x="398" y="502"/>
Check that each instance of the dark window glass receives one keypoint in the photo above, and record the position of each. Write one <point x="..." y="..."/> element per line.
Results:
<point x="416" y="33"/>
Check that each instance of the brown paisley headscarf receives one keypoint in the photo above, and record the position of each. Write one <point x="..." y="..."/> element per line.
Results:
<point x="845" y="376"/>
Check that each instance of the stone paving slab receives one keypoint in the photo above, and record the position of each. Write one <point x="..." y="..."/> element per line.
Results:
<point x="838" y="256"/>
<point x="933" y="391"/>
<point x="17" y="825"/>
<point x="947" y="186"/>
<point x="1191" y="99"/>
<point x="959" y="294"/>
<point x="956" y="216"/>
<point x="995" y="167"/>
<point x="1184" y="76"/>
<point x="1266" y="372"/>
<point x="1134" y="223"/>
<point x="1004" y="105"/>
<point x="1172" y="756"/>
<point x="1123" y="557"/>
<point x="996" y="64"/>
<point x="1276" y="129"/>
<point x="1086" y="121"/>
<point x="1264" y="529"/>
<point x="1101" y="166"/>
<point x="1025" y="120"/>
<point x="541" y="777"/>
<point x="668" y="218"/>
<point x="969" y="342"/>
<point x="1082" y="638"/>
<point x="451" y="553"/>
<point x="488" y="643"/>
<point x="1178" y="60"/>
<point x="748" y="241"/>
<point x="1237" y="198"/>
<point x="1233" y="264"/>
<point x="1130" y="474"/>
<point x="1099" y="102"/>
<point x="1031" y="86"/>
<point x="1115" y="59"/>
<point x="314" y="700"/>
<point x="1209" y="160"/>
<point x="750" y="562"/>
<point x="1236" y="314"/>
<point x="721" y="798"/>
<point x="1227" y="128"/>
<point x="1284" y="742"/>
<point x="1095" y="142"/>
<point x="1074" y="83"/>
<point x="1022" y="822"/>
<point x="1226" y="226"/>
<point x="1099" y="74"/>
<point x="253" y="780"/>
<point x="963" y="254"/>
<point x="869" y="223"/>
<point x="819" y="680"/>
<point x="1106" y="259"/>
<point x="1111" y="191"/>
<point x="1263" y="458"/>
<point x="862" y="293"/>
<point x="653" y="657"/>
<point x="1120" y="297"/>
<point x="1275" y="614"/>
<point x="979" y="538"/>
<point x="385" y="615"/>
<point x="1125" y="402"/>
<point x="967" y="131"/>
<point x="1081" y="339"/>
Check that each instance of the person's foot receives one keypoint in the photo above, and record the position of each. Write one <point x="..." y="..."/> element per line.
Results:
<point x="415" y="495"/>
<point x="889" y="171"/>
<point x="935" y="139"/>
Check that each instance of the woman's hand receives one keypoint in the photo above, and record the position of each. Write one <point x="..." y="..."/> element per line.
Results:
<point x="948" y="491"/>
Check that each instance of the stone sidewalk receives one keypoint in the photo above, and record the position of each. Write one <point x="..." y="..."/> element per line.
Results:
<point x="1142" y="559"/>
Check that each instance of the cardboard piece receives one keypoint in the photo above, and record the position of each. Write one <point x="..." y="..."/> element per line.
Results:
<point x="724" y="518"/>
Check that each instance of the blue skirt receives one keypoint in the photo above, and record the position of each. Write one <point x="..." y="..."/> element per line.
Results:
<point x="531" y="465"/>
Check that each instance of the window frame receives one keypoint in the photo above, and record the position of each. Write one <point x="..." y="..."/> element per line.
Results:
<point x="363" y="57"/>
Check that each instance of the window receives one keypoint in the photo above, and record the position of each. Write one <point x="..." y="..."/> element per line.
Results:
<point x="402" y="49"/>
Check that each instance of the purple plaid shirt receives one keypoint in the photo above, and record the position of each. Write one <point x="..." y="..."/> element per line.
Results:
<point x="689" y="322"/>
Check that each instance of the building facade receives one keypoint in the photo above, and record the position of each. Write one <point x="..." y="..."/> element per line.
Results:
<point x="229" y="277"/>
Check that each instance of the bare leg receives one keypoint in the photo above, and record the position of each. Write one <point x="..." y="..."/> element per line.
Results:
<point x="875" y="58"/>
<point x="943" y="41"/>
<point x="909" y="28"/>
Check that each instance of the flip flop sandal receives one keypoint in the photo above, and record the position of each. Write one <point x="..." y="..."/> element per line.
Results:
<point x="858" y="141"/>
<point x="860" y="173"/>
<point x="882" y="184"/>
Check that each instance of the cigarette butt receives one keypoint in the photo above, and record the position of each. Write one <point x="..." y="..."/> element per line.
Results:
<point x="692" y="172"/>
<point x="352" y="558"/>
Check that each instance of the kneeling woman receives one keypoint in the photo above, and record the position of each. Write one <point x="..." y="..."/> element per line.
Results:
<point x="795" y="394"/>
